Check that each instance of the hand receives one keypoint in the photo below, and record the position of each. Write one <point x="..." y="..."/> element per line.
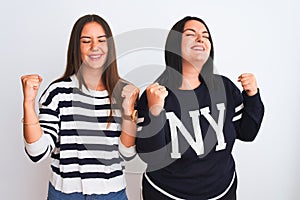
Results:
<point x="156" y="95"/>
<point x="249" y="84"/>
<point x="130" y="94"/>
<point x="31" y="84"/>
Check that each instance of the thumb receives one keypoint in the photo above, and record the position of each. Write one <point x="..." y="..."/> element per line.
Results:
<point x="40" y="78"/>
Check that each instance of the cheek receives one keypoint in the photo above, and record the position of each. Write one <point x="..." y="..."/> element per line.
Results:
<point x="184" y="52"/>
<point x="208" y="46"/>
<point x="84" y="49"/>
<point x="185" y="44"/>
<point x="105" y="48"/>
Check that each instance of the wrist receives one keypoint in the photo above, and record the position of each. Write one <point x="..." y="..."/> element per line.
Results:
<point x="252" y="92"/>
<point x="155" y="110"/>
<point x="28" y="104"/>
<point x="128" y="112"/>
<point x="131" y="117"/>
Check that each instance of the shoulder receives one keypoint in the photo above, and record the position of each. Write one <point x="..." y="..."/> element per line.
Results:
<point x="226" y="87"/>
<point x="225" y="79"/>
<point x="228" y="84"/>
<point x="57" y="87"/>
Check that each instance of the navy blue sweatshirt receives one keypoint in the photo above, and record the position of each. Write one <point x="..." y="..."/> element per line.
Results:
<point x="188" y="146"/>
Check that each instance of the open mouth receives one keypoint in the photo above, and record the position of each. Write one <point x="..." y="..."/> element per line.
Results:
<point x="95" y="57"/>
<point x="198" y="48"/>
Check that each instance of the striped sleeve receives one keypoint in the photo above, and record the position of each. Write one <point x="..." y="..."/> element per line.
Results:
<point x="238" y="112"/>
<point x="127" y="153"/>
<point x="38" y="150"/>
<point x="49" y="121"/>
<point x="248" y="117"/>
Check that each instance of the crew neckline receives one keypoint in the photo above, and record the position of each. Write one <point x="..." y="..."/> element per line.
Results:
<point x="98" y="93"/>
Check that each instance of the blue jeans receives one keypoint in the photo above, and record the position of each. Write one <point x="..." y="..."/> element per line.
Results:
<point x="54" y="194"/>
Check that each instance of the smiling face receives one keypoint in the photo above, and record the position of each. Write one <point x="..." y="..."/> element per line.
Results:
<point x="195" y="46"/>
<point x="93" y="45"/>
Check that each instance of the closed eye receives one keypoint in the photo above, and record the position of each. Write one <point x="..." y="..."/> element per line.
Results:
<point x="190" y="34"/>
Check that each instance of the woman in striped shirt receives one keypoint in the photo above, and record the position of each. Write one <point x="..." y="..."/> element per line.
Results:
<point x="84" y="118"/>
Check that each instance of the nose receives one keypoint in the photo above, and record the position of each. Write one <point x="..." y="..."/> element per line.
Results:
<point x="199" y="38"/>
<point x="94" y="46"/>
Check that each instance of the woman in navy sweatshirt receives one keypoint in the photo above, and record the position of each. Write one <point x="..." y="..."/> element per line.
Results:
<point x="190" y="118"/>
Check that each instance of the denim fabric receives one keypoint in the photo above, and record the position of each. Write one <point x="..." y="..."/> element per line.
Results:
<point x="54" y="194"/>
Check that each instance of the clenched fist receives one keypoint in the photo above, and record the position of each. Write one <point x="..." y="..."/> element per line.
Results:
<point x="249" y="84"/>
<point x="130" y="94"/>
<point x="156" y="95"/>
<point x="31" y="84"/>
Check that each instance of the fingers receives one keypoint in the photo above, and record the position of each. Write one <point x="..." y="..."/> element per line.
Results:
<point x="157" y="90"/>
<point x="130" y="94"/>
<point x="248" y="82"/>
<point x="31" y="84"/>
<point x="156" y="95"/>
<point x="130" y="91"/>
<point x="31" y="81"/>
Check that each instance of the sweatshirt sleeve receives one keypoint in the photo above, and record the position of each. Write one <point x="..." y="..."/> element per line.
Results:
<point x="151" y="134"/>
<point x="127" y="153"/>
<point x="49" y="121"/>
<point x="248" y="116"/>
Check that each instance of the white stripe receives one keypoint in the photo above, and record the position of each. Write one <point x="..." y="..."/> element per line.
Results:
<point x="227" y="189"/>
<point x="126" y="151"/>
<point x="54" y="126"/>
<point x="161" y="190"/>
<point x="88" y="186"/>
<point x="108" y="155"/>
<point x="139" y="120"/>
<point x="238" y="108"/>
<point x="89" y="112"/>
<point x="176" y="198"/>
<point x="48" y="117"/>
<point x="90" y="140"/>
<point x="74" y="97"/>
<point x="38" y="147"/>
<point x="89" y="168"/>
<point x="79" y="125"/>
<point x="53" y="104"/>
<point x="139" y="128"/>
<point x="237" y="117"/>
<point x="81" y="98"/>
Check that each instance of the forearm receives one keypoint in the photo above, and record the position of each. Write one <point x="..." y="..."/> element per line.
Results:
<point x="127" y="140"/>
<point x="31" y="127"/>
<point x="128" y="133"/>
<point x="151" y="144"/>
<point x="252" y="116"/>
<point x="151" y="136"/>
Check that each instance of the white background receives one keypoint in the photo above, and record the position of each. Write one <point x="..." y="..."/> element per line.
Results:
<point x="255" y="36"/>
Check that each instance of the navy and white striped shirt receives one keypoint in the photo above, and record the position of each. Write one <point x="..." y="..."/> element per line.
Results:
<point x="83" y="147"/>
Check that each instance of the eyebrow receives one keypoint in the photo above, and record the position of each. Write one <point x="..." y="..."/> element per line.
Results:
<point x="90" y="37"/>
<point x="190" y="29"/>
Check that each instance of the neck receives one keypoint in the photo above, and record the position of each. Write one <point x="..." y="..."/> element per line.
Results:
<point x="93" y="78"/>
<point x="190" y="75"/>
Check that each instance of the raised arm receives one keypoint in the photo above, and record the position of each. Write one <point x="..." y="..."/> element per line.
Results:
<point x="151" y="136"/>
<point x="31" y="127"/>
<point x="252" y="109"/>
<point x="130" y="94"/>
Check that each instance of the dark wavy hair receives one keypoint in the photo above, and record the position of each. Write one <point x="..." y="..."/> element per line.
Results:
<point x="172" y="75"/>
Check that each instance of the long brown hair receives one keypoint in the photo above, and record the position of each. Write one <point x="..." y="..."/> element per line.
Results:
<point x="110" y="76"/>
